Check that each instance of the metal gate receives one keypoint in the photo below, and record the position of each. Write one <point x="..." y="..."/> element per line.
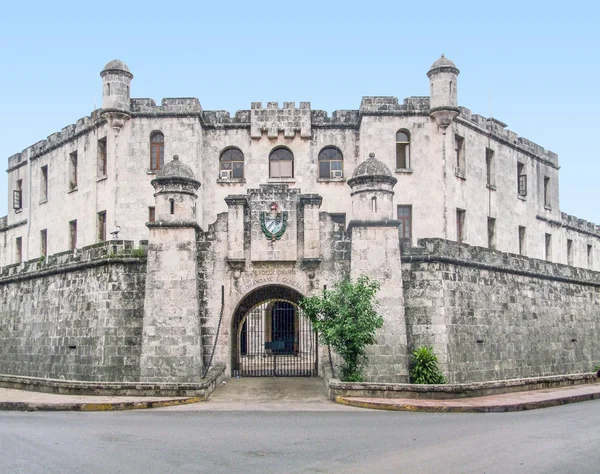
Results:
<point x="276" y="340"/>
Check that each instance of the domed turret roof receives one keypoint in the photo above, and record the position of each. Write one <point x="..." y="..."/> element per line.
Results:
<point x="371" y="167"/>
<point x="117" y="64"/>
<point x="443" y="62"/>
<point x="176" y="169"/>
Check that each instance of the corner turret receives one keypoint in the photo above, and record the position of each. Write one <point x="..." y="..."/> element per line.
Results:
<point x="116" y="82"/>
<point x="443" y="106"/>
<point x="372" y="192"/>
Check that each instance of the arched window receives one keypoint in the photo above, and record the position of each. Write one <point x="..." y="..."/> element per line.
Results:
<point x="402" y="150"/>
<point x="331" y="163"/>
<point x="157" y="151"/>
<point x="232" y="164"/>
<point x="281" y="163"/>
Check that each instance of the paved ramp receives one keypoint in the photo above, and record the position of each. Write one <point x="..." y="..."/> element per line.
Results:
<point x="269" y="394"/>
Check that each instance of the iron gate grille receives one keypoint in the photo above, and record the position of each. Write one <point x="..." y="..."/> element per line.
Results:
<point x="277" y="340"/>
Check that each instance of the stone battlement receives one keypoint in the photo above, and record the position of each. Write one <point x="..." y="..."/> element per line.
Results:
<point x="574" y="223"/>
<point x="273" y="119"/>
<point x="68" y="133"/>
<point x="386" y="104"/>
<point x="498" y="129"/>
<point x="435" y="249"/>
<point x="170" y="106"/>
<point x="66" y="260"/>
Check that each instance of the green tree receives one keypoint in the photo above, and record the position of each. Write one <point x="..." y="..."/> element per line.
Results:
<point x="346" y="319"/>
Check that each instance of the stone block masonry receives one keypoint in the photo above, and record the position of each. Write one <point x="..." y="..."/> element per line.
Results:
<point x="76" y="316"/>
<point x="491" y="315"/>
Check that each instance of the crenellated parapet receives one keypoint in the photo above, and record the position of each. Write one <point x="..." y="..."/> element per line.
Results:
<point x="579" y="225"/>
<point x="168" y="106"/>
<point x="69" y="133"/>
<point x="389" y="105"/>
<point x="498" y="130"/>
<point x="273" y="119"/>
<point x="338" y="119"/>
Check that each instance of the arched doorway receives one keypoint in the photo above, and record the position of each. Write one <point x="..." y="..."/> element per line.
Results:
<point x="271" y="337"/>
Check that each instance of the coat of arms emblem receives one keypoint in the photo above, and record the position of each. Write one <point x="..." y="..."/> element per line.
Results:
<point x="274" y="222"/>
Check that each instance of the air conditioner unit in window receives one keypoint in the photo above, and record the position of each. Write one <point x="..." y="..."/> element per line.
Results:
<point x="225" y="174"/>
<point x="336" y="174"/>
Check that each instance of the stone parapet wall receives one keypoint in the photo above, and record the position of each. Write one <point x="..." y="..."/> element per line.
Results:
<point x="491" y="315"/>
<point x="75" y="315"/>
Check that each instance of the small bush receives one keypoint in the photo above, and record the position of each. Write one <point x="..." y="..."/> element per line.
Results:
<point x="424" y="367"/>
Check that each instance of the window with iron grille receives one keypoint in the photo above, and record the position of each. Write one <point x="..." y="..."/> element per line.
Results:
<point x="281" y="163"/>
<point x="18" y="196"/>
<point x="522" y="180"/>
<point x="402" y="150"/>
<point x="405" y="218"/>
<point x="331" y="162"/>
<point x="232" y="164"/>
<point x="151" y="214"/>
<point x="157" y="151"/>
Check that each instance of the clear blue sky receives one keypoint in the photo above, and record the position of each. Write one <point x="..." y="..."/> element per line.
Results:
<point x="540" y="61"/>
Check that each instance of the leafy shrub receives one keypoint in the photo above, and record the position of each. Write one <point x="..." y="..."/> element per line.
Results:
<point x="424" y="368"/>
<point x="346" y="319"/>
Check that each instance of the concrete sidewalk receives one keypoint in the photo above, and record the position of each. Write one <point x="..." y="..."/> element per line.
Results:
<point x="22" y="400"/>
<point x="516" y="401"/>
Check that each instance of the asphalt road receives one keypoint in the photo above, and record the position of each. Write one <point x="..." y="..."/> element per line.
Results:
<point x="561" y="439"/>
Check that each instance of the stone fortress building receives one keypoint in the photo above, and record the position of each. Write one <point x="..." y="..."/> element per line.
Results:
<point x="146" y="242"/>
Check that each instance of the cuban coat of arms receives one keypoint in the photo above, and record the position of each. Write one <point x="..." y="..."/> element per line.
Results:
<point x="274" y="222"/>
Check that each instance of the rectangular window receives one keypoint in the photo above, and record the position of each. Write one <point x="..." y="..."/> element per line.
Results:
<point x="73" y="171"/>
<point x="492" y="233"/>
<point x="339" y="219"/>
<point x="19" y="249"/>
<point x="460" y="225"/>
<point x="521" y="180"/>
<point x="44" y="184"/>
<point x="590" y="260"/>
<point x="102" y="226"/>
<point x="405" y="218"/>
<point x="282" y="169"/>
<point x="18" y="196"/>
<point x="522" y="241"/>
<point x="460" y="154"/>
<point x="570" y="252"/>
<point x="44" y="242"/>
<point x="102" y="157"/>
<point x="549" y="247"/>
<point x="547" y="192"/>
<point x="73" y="235"/>
<point x="151" y="214"/>
<point x="489" y="167"/>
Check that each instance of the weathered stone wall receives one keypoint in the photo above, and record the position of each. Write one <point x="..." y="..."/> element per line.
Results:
<point x="492" y="315"/>
<point x="76" y="316"/>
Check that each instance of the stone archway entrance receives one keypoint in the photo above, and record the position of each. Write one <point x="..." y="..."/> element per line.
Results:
<point x="271" y="337"/>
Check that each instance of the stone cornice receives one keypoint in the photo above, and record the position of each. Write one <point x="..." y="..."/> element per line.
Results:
<point x="17" y="166"/>
<point x="567" y="226"/>
<point x="173" y="225"/>
<point x="12" y="226"/>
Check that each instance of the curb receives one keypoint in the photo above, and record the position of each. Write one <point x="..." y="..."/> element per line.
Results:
<point x="117" y="406"/>
<point x="500" y="408"/>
